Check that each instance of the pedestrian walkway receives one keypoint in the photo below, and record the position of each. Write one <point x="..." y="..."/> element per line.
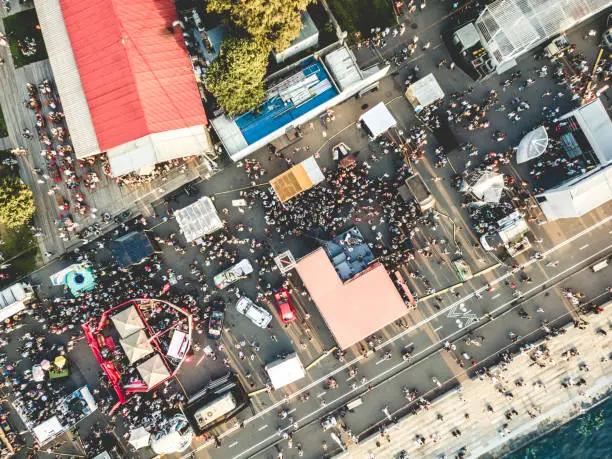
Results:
<point x="479" y="410"/>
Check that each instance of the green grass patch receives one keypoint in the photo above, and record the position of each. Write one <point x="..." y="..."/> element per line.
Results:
<point x="362" y="15"/>
<point x="18" y="248"/>
<point x="22" y="26"/>
<point x="3" y="129"/>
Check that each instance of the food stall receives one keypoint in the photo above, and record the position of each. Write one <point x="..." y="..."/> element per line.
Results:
<point x="424" y="92"/>
<point x="285" y="371"/>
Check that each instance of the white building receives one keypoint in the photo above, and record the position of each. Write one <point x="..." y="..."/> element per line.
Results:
<point x="593" y="188"/>
<point x="509" y="28"/>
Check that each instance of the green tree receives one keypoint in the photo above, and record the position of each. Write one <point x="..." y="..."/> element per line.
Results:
<point x="276" y="22"/>
<point x="236" y="76"/>
<point x="16" y="202"/>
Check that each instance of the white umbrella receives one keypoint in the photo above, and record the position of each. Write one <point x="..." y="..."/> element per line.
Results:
<point x="139" y="438"/>
<point x="534" y="144"/>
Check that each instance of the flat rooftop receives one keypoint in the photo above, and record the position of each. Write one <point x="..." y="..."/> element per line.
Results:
<point x="355" y="309"/>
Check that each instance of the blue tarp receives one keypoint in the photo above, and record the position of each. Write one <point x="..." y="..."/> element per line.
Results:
<point x="131" y="248"/>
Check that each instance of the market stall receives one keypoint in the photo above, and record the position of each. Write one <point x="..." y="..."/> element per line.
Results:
<point x="198" y="219"/>
<point x="377" y="120"/>
<point x="424" y="92"/>
<point x="285" y="371"/>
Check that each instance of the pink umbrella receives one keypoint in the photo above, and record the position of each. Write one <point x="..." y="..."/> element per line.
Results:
<point x="45" y="365"/>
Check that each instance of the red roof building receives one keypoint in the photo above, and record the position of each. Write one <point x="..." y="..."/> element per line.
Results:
<point x="125" y="79"/>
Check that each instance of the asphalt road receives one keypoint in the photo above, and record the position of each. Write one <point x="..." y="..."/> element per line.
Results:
<point x="428" y="327"/>
<point x="260" y="431"/>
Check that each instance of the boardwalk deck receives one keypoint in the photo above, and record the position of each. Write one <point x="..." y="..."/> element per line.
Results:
<point x="108" y="197"/>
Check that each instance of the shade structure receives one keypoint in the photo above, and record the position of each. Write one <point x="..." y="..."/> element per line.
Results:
<point x="378" y="120"/>
<point x="532" y="145"/>
<point x="285" y="371"/>
<point x="136" y="346"/>
<point x="131" y="248"/>
<point x="298" y="179"/>
<point x="113" y="63"/>
<point x="487" y="186"/>
<point x="357" y="308"/>
<point x="198" y="219"/>
<point x="80" y="280"/>
<point x="153" y="371"/>
<point x="60" y="361"/>
<point x="127" y="322"/>
<point x="424" y="92"/>
<point x="139" y="438"/>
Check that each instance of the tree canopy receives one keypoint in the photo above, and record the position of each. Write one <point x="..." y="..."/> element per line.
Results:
<point x="16" y="202"/>
<point x="236" y="76"/>
<point x="275" y="22"/>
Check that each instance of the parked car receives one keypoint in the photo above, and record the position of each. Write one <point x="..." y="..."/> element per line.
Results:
<point x="215" y="323"/>
<point x="284" y="305"/>
<point x="258" y="315"/>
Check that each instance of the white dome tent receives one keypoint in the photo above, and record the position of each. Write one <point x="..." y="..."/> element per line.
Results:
<point x="533" y="145"/>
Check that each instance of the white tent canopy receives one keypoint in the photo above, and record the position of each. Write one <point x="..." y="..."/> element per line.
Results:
<point x="378" y="119"/>
<point x="172" y="442"/>
<point x="487" y="187"/>
<point x="136" y="346"/>
<point x="139" y="438"/>
<point x="532" y="145"/>
<point x="285" y="371"/>
<point x="127" y="322"/>
<point x="424" y="92"/>
<point x="198" y="219"/>
<point x="48" y="429"/>
<point x="153" y="371"/>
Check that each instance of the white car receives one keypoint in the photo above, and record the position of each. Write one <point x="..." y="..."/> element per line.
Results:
<point x="258" y="315"/>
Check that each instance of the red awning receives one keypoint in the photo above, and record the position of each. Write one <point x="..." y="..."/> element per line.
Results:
<point x="135" y="72"/>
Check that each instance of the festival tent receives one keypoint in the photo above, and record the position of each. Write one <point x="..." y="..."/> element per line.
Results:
<point x="424" y="92"/>
<point x="198" y="219"/>
<point x="532" y="145"/>
<point x="127" y="322"/>
<point x="136" y="346"/>
<point x="131" y="248"/>
<point x="139" y="438"/>
<point x="378" y="120"/>
<point x="13" y="299"/>
<point x="285" y="371"/>
<point x="298" y="179"/>
<point x="153" y="371"/>
<point x="487" y="186"/>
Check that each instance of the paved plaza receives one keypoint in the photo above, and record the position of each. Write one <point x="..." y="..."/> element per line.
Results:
<point x="486" y="305"/>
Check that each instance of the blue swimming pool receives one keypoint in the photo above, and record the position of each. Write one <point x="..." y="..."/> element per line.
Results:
<point x="295" y="95"/>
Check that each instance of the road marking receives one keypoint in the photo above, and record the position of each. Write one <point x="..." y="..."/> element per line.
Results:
<point x="233" y="444"/>
<point x="262" y="428"/>
<point x="584" y="246"/>
<point x="501" y="278"/>
<point x="383" y="373"/>
<point x="408" y="345"/>
<point x="411" y="329"/>
<point x="496" y="296"/>
<point x="294" y="409"/>
<point x="439" y="328"/>
<point x="321" y="394"/>
<point x="380" y="361"/>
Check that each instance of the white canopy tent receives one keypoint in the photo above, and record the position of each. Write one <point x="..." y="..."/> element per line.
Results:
<point x="139" y="438"/>
<point x="285" y="371"/>
<point x="172" y="442"/>
<point x="487" y="187"/>
<point x="136" y="346"/>
<point x="48" y="429"/>
<point x="13" y="299"/>
<point x="198" y="219"/>
<point x="127" y="322"/>
<point x="424" y="92"/>
<point x="153" y="371"/>
<point x="378" y="120"/>
<point x="534" y="144"/>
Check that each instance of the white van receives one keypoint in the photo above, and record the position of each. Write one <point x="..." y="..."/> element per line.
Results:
<point x="258" y="315"/>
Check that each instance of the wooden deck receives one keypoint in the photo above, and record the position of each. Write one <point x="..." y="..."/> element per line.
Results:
<point x="108" y="197"/>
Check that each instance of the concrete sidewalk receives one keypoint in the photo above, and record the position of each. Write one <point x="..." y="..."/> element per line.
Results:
<point x="541" y="402"/>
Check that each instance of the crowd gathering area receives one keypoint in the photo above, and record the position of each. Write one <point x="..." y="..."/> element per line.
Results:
<point x="142" y="311"/>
